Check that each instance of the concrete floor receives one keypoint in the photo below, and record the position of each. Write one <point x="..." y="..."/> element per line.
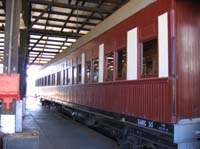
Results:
<point x="58" y="132"/>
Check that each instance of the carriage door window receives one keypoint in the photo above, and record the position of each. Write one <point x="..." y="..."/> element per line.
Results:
<point x="79" y="73"/>
<point x="88" y="71"/>
<point x="109" y="66"/>
<point x="150" y="58"/>
<point x="74" y="75"/>
<point x="95" y="70"/>
<point x="121" y="64"/>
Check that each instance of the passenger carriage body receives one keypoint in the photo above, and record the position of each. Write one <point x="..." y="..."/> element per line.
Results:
<point x="144" y="69"/>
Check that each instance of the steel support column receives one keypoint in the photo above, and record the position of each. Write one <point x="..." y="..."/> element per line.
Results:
<point x="9" y="89"/>
<point x="24" y="42"/>
<point x="13" y="9"/>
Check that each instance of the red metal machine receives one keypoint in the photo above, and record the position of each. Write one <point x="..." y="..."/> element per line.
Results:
<point x="9" y="89"/>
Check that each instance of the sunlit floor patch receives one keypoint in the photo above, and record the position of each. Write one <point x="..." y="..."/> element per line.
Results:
<point x="57" y="132"/>
<point x="32" y="103"/>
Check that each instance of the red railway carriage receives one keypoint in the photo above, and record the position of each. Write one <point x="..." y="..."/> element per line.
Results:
<point x="142" y="63"/>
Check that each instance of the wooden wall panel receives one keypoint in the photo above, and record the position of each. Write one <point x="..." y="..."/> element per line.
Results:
<point x="188" y="58"/>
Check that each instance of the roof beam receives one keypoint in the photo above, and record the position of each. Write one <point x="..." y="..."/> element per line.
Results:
<point x="2" y="29"/>
<point x="34" y="59"/>
<point x="108" y="1"/>
<point x="63" y="45"/>
<point x="2" y="21"/>
<point x="43" y="57"/>
<point x="54" y="33"/>
<point x="66" y="14"/>
<point x="36" y="43"/>
<point x="68" y="18"/>
<point x="39" y="53"/>
<point x="44" y="46"/>
<point x="47" y="22"/>
<point x="47" y="44"/>
<point x="66" y="27"/>
<point x="64" y="5"/>
<point x="51" y="40"/>
<point x="60" y="20"/>
<point x="41" y="14"/>
<point x="4" y="5"/>
<point x="47" y="52"/>
<point x="87" y="20"/>
<point x="2" y="15"/>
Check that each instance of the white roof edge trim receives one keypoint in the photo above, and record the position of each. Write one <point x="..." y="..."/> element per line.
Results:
<point x="129" y="9"/>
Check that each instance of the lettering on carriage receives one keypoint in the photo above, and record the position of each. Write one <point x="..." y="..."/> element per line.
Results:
<point x="145" y="123"/>
<point x="163" y="127"/>
<point x="150" y="124"/>
<point x="142" y="122"/>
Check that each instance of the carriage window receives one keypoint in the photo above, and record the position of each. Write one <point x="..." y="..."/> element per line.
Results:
<point x="53" y="79"/>
<point x="109" y="66"/>
<point x="40" y="81"/>
<point x="95" y="70"/>
<point x="58" y="78"/>
<point x="64" y="77"/>
<point x="121" y="63"/>
<point x="36" y="83"/>
<point x="79" y="73"/>
<point x="67" y="76"/>
<point x="49" y="80"/>
<point x="150" y="58"/>
<point x="88" y="71"/>
<point x="46" y="80"/>
<point x="43" y="81"/>
<point x="74" y="75"/>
